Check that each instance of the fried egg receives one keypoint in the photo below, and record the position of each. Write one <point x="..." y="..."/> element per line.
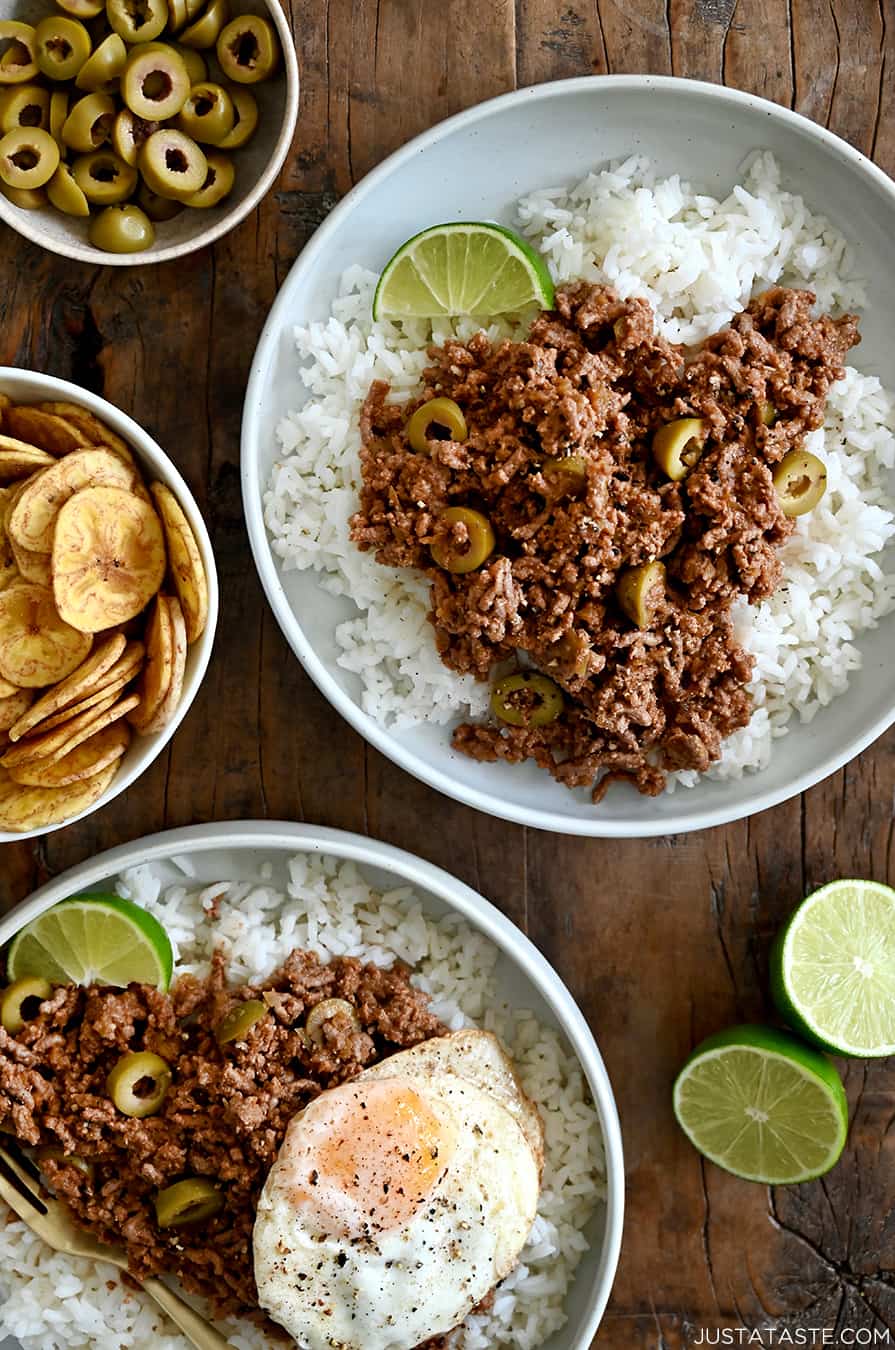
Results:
<point x="398" y="1200"/>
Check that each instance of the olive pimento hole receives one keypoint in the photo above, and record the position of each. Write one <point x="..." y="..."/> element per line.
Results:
<point x="99" y="132"/>
<point x="156" y="86"/>
<point x="25" y="159"/>
<point x="30" y="1007"/>
<point x="176" y="160"/>
<point x="59" y="48"/>
<point x="145" y="1086"/>
<point x="104" y="171"/>
<point x="797" y="487"/>
<point x="15" y="53"/>
<point x="204" y="104"/>
<point x="30" y="116"/>
<point x="245" y="49"/>
<point x="138" y="12"/>
<point x="437" y="431"/>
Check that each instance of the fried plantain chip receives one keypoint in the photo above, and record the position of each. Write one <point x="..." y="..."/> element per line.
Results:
<point x="171" y="700"/>
<point x="82" y="681"/>
<point x="111" y="684"/>
<point x="108" y="557"/>
<point x="159" y="668"/>
<point x="87" y="759"/>
<point x="32" y="518"/>
<point x="13" y="705"/>
<point x="105" y="717"/>
<point x="34" y="567"/>
<point x="33" y="808"/>
<point x="7" y="688"/>
<point x="52" y="433"/>
<point x="47" y="744"/>
<point x="17" y="458"/>
<point x="37" y="647"/>
<point x="185" y="561"/>
<point x="93" y="430"/>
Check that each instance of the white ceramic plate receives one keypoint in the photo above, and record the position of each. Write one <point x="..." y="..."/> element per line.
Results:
<point x="474" y="167"/>
<point x="524" y="978"/>
<point x="29" y="386"/>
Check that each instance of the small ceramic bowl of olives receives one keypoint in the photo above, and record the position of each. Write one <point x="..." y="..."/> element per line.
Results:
<point x="137" y="131"/>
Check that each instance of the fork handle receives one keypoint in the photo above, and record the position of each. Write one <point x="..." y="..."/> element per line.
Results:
<point x="200" y="1333"/>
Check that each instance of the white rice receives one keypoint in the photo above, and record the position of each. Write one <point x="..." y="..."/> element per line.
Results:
<point x="52" y="1301"/>
<point x="698" y="261"/>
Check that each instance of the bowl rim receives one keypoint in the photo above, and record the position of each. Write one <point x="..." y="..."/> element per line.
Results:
<point x="23" y="224"/>
<point x="288" y="836"/>
<point x="677" y="821"/>
<point x="149" y="455"/>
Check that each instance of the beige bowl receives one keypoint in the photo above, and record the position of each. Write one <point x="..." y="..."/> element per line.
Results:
<point x="257" y="164"/>
<point x="30" y="386"/>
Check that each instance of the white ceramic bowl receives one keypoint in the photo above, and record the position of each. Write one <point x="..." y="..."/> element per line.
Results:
<point x="523" y="977"/>
<point x="474" y="167"/>
<point x="28" y="386"/>
<point x="257" y="164"/>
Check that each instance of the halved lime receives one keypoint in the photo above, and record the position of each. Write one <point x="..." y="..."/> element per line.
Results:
<point x="467" y="267"/>
<point x="93" y="939"/>
<point x="762" y="1105"/>
<point x="833" y="968"/>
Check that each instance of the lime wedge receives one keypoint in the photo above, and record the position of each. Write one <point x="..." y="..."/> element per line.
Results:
<point x="762" y="1105"/>
<point x="463" y="268"/>
<point x="833" y="968"/>
<point x="93" y="939"/>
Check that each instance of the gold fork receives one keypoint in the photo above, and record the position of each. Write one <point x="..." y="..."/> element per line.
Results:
<point x="52" y="1222"/>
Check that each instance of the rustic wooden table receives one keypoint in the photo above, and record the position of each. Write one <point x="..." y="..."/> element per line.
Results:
<point x="661" y="941"/>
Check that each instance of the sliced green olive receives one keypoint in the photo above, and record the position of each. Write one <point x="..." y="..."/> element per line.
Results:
<point x="767" y="414"/>
<point x="138" y="1084"/>
<point x="205" y="31"/>
<point x="155" y="84"/>
<point x="178" y="14"/>
<point x="247" y="49"/>
<point x="325" y="1011"/>
<point x="104" y="178"/>
<point x="104" y="67"/>
<point x="208" y="114"/>
<point x="82" y="9"/>
<point x="61" y="46"/>
<point x="129" y="133"/>
<point x="218" y="183"/>
<point x="137" y="20"/>
<point x="29" y="199"/>
<point x="469" y="553"/>
<point x="21" y="1000"/>
<point x="50" y="1153"/>
<point x="28" y="157"/>
<point x="25" y="105"/>
<point x="800" y="480"/>
<point x="639" y="590"/>
<point x="187" y="1201"/>
<point x="679" y="445"/>
<point x="157" y="208"/>
<point x="58" y="115"/>
<point x="18" y="63"/>
<point x="245" y="109"/>
<point x="568" y="475"/>
<point x="196" y="65"/>
<point x="527" y="699"/>
<point x="441" y="413"/>
<point x="65" y="194"/>
<point x="90" y="122"/>
<point x="122" y="229"/>
<point x="172" y="164"/>
<point x="240" y="1020"/>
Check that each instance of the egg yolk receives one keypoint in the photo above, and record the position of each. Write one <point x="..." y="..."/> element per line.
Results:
<point x="367" y="1155"/>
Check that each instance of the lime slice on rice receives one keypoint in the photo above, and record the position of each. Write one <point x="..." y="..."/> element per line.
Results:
<point x="833" y="968"/>
<point x="762" y="1105"/>
<point x="462" y="268"/>
<point x="93" y="939"/>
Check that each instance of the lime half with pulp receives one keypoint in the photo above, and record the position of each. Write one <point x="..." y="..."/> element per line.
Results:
<point x="93" y="939"/>
<point x="833" y="968"/>
<point x="762" y="1105"/>
<point x="469" y="267"/>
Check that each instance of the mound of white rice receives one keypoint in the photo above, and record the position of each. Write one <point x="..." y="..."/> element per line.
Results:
<point x="53" y="1301"/>
<point x="698" y="261"/>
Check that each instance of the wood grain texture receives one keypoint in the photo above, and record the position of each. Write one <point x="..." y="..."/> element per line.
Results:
<point x="661" y="941"/>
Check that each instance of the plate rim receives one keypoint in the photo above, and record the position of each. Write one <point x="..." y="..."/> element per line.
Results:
<point x="374" y="733"/>
<point x="290" y="836"/>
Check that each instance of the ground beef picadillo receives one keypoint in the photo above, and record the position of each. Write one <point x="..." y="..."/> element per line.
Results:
<point x="225" y="1114"/>
<point x="592" y="380"/>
